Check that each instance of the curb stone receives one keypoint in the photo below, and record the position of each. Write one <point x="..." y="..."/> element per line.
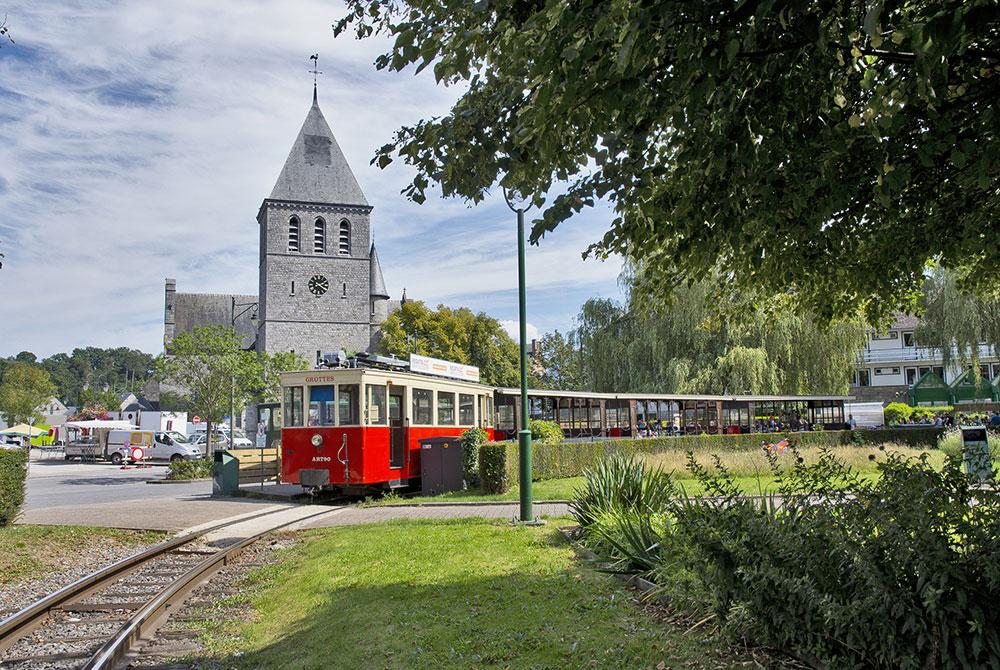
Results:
<point x="178" y="481"/>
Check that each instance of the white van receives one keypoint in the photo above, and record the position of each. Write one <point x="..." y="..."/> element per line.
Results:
<point x="158" y="446"/>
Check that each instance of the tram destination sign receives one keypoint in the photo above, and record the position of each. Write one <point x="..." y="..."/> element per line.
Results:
<point x="436" y="366"/>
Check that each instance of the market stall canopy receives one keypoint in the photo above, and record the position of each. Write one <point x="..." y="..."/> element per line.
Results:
<point x="22" y="430"/>
<point x="101" y="423"/>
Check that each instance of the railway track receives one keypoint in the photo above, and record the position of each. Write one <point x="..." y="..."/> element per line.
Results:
<point x="93" y="622"/>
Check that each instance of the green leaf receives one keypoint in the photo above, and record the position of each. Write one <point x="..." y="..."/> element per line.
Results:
<point x="732" y="49"/>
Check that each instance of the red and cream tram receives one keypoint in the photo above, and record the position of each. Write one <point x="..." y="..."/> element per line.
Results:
<point x="358" y="429"/>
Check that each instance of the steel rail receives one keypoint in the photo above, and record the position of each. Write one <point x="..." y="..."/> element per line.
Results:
<point x="25" y="620"/>
<point x="148" y="617"/>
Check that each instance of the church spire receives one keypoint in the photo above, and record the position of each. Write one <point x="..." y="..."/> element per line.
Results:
<point x="316" y="169"/>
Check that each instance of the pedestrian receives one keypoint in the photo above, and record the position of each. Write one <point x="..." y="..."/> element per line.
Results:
<point x="851" y="422"/>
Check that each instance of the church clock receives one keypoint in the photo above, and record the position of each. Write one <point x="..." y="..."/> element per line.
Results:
<point x="318" y="285"/>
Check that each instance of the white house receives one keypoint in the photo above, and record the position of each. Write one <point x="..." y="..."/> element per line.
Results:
<point x="892" y="361"/>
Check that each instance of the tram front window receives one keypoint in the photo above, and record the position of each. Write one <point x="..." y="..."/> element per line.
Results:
<point x="347" y="404"/>
<point x="321" y="406"/>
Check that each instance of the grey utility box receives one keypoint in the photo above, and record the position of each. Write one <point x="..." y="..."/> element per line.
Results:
<point x="441" y="468"/>
<point x="976" y="452"/>
<point x="225" y="474"/>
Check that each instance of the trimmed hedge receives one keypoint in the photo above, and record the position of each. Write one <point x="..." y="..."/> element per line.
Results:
<point x="498" y="460"/>
<point x="13" y="472"/>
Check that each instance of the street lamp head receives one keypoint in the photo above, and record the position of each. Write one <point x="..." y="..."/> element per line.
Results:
<point x="516" y="201"/>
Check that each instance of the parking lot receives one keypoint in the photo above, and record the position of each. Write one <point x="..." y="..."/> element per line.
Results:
<point x="101" y="494"/>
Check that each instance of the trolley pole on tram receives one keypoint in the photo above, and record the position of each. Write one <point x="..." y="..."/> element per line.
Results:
<point x="524" y="434"/>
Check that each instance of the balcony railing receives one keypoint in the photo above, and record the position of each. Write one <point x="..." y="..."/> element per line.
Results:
<point x="917" y="354"/>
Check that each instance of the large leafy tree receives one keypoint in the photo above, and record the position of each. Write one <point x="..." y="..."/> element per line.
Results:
<point x="823" y="149"/>
<point x="268" y="386"/>
<point x="458" y="335"/>
<point x="558" y="362"/>
<point x="23" y="390"/>
<point x="210" y="364"/>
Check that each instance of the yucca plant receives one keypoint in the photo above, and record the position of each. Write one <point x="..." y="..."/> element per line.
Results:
<point x="618" y="484"/>
<point x="630" y="539"/>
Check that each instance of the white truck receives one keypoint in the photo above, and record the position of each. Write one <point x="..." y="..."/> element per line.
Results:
<point x="117" y="445"/>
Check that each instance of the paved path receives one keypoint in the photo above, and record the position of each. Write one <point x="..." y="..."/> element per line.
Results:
<point x="359" y="515"/>
<point x="98" y="494"/>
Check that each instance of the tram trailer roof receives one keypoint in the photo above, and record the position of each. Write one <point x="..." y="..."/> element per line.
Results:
<point x="669" y="396"/>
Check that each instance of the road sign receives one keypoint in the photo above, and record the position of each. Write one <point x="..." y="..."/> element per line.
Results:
<point x="137" y="453"/>
<point x="196" y="420"/>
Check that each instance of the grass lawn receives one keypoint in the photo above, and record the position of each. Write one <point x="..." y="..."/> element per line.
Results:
<point x="450" y="594"/>
<point x="563" y="489"/>
<point x="744" y="466"/>
<point x="38" y="550"/>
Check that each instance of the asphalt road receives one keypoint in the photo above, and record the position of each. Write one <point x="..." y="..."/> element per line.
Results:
<point x="100" y="494"/>
<point x="54" y="483"/>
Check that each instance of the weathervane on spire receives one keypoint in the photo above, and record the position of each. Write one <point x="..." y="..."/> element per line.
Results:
<point x="315" y="72"/>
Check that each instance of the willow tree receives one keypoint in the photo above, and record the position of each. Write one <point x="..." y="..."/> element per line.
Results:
<point x="954" y="321"/>
<point x="703" y="339"/>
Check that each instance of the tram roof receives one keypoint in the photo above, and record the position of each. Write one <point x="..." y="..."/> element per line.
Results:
<point x="549" y="393"/>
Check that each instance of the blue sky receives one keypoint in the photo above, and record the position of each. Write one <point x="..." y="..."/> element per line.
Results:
<point x="138" y="139"/>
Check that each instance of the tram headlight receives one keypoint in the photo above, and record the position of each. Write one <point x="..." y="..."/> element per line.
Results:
<point x="317" y="440"/>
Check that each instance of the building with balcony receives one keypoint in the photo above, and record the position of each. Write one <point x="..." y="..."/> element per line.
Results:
<point x="892" y="362"/>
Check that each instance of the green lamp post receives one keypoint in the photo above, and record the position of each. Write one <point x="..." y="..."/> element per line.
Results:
<point x="233" y="315"/>
<point x="524" y="434"/>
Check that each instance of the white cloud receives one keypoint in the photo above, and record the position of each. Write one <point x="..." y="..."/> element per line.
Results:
<point x="140" y="138"/>
<point x="513" y="329"/>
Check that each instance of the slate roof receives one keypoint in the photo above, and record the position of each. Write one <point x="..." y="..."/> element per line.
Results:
<point x="207" y="309"/>
<point x="904" y="321"/>
<point x="316" y="169"/>
<point x="376" y="282"/>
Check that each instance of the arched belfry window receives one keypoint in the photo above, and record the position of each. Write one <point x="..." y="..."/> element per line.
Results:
<point x="293" y="234"/>
<point x="319" y="237"/>
<point x="345" y="238"/>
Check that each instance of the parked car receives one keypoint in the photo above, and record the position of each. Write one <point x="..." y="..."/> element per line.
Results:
<point x="220" y="439"/>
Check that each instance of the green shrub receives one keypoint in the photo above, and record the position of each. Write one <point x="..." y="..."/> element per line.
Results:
<point x="570" y="459"/>
<point x="545" y="431"/>
<point x="493" y="459"/>
<point x="900" y="573"/>
<point x="897" y="573"/>
<point x="897" y="412"/>
<point x="198" y="469"/>
<point x="13" y="472"/>
<point x="920" y="413"/>
<point x="472" y="440"/>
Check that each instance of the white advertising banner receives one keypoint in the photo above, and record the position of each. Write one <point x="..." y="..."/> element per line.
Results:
<point x="435" y="366"/>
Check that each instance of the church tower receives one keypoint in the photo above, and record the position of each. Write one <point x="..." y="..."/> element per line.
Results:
<point x="318" y="274"/>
